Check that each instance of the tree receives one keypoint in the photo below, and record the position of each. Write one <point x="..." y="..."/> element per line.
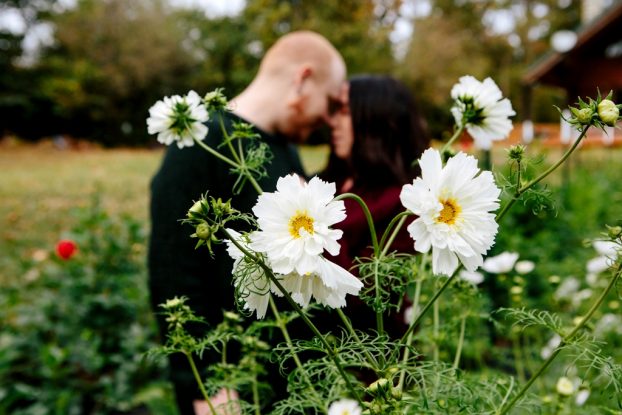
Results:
<point x="113" y="59"/>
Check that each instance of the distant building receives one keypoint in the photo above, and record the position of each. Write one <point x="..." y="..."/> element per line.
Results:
<point x="589" y="58"/>
<point x="581" y="61"/>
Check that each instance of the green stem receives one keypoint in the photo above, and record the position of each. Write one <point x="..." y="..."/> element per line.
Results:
<point x="215" y="153"/>
<point x="453" y="138"/>
<point x="523" y="189"/>
<point x="256" y="396"/>
<point x="370" y="220"/>
<point x="395" y="220"/>
<point x="379" y="315"/>
<point x="227" y="139"/>
<point x="429" y="304"/>
<point x="346" y="321"/>
<point x="518" y="358"/>
<point x="288" y="340"/>
<point x="409" y="340"/>
<point x="402" y="218"/>
<point x="329" y="350"/>
<point x="197" y="377"/>
<point x="460" y="342"/>
<point x="435" y="324"/>
<point x="564" y="341"/>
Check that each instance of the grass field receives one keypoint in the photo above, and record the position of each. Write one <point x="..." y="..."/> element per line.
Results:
<point x="40" y="187"/>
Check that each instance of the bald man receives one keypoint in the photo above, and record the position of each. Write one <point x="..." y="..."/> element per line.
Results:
<point x="299" y="85"/>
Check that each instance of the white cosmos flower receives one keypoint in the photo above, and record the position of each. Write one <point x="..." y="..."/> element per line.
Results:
<point x="295" y="222"/>
<point x="344" y="407"/>
<point x="564" y="386"/>
<point x="524" y="267"/>
<point x="481" y="107"/>
<point x="500" y="264"/>
<point x="453" y="205"/>
<point x="582" y="396"/>
<point x="608" y="252"/>
<point x="329" y="285"/>
<point x="252" y="284"/>
<point x="472" y="277"/>
<point x="178" y="119"/>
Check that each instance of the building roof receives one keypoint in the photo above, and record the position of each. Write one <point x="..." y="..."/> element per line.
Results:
<point x="594" y="61"/>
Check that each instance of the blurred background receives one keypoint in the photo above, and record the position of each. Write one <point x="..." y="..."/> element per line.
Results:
<point x="77" y="78"/>
<point x="91" y="68"/>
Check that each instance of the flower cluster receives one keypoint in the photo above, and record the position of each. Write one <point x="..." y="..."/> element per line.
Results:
<point x="294" y="230"/>
<point x="599" y="112"/>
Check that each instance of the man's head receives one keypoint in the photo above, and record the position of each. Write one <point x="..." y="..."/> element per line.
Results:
<point x="299" y="85"/>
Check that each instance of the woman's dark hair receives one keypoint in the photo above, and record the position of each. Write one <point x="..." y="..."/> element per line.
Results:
<point x="389" y="134"/>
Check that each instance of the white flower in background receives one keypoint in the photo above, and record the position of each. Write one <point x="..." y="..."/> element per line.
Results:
<point x="453" y="205"/>
<point x="329" y="285"/>
<point x="344" y="407"/>
<point x="582" y="396"/>
<point x="500" y="264"/>
<point x="295" y="222"/>
<point x="608" y="323"/>
<point x="550" y="346"/>
<point x="567" y="288"/>
<point x="524" y="267"/>
<point x="564" y="386"/>
<point x="178" y="119"/>
<point x="608" y="251"/>
<point x="473" y="277"/>
<point x="251" y="282"/>
<point x="480" y="106"/>
<point x="580" y="296"/>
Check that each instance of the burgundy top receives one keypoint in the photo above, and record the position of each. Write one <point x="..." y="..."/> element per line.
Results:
<point x="384" y="204"/>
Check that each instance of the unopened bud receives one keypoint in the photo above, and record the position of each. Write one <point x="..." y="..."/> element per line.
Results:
<point x="608" y="112"/>
<point x="583" y="115"/>
<point x="396" y="393"/>
<point x="203" y="231"/>
<point x="380" y="386"/>
<point x="516" y="152"/>
<point x="230" y="315"/>
<point x="564" y="386"/>
<point x="196" y="208"/>
<point x="614" y="232"/>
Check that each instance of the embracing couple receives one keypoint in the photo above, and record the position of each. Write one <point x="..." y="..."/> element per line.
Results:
<point x="301" y="85"/>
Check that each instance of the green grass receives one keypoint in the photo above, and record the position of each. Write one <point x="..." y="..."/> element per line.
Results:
<point x="41" y="186"/>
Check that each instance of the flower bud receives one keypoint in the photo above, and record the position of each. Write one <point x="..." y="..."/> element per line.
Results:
<point x="614" y="231"/>
<point x="608" y="112"/>
<point x="230" y="315"/>
<point x="564" y="386"/>
<point x="196" y="208"/>
<point x="379" y="387"/>
<point x="396" y="393"/>
<point x="203" y="231"/>
<point x="583" y="115"/>
<point x="516" y="152"/>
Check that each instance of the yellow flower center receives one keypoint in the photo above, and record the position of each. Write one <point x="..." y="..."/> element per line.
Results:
<point x="449" y="213"/>
<point x="298" y="221"/>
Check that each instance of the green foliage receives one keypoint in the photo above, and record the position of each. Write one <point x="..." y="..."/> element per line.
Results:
<point x="75" y="331"/>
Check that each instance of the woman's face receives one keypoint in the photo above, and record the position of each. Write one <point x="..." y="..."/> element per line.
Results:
<point x="342" y="134"/>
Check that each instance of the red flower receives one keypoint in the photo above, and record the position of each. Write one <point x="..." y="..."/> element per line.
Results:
<point x="65" y="248"/>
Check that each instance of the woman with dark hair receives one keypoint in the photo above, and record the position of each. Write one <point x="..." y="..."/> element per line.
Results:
<point x="375" y="140"/>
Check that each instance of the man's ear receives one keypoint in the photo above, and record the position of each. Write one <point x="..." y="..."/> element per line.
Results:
<point x="297" y="98"/>
<point x="302" y="74"/>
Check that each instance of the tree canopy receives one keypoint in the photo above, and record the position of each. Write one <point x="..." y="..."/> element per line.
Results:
<point x="110" y="60"/>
